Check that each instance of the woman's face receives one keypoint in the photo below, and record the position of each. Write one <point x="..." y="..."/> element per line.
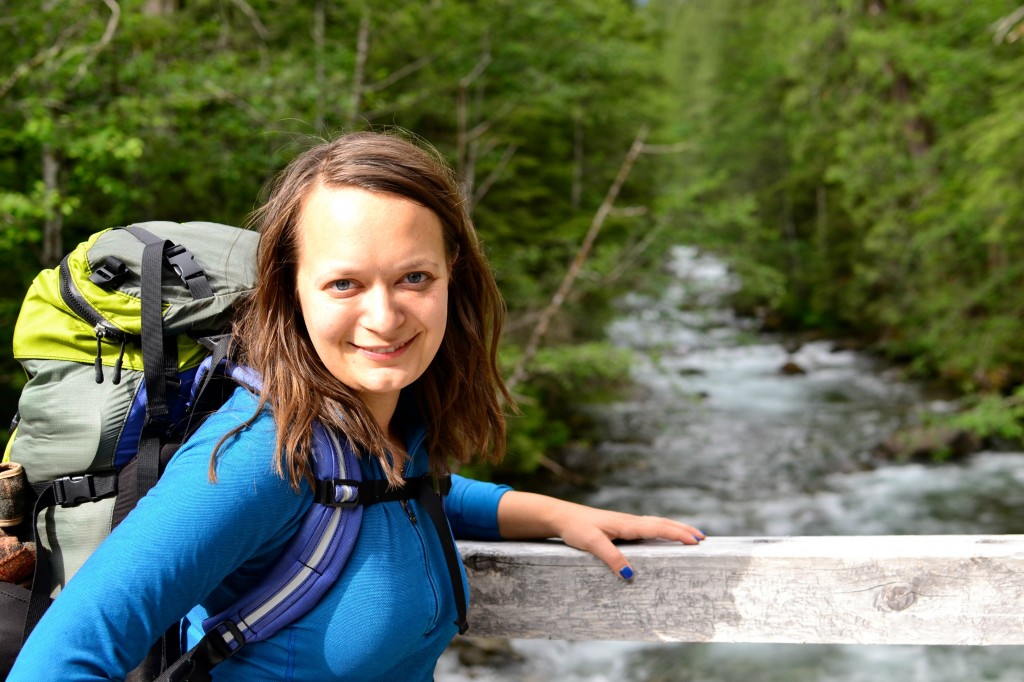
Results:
<point x="372" y="281"/>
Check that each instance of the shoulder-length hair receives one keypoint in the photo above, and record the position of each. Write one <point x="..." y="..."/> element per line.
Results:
<point x="461" y="392"/>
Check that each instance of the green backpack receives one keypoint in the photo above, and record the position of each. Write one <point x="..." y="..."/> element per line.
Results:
<point x="110" y="340"/>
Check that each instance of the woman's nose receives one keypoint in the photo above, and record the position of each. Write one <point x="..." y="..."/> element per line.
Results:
<point x="381" y="313"/>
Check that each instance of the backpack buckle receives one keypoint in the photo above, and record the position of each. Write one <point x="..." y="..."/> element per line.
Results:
<point x="183" y="262"/>
<point x="192" y="275"/>
<point x="110" y="274"/>
<point x="72" y="491"/>
<point x="337" y="492"/>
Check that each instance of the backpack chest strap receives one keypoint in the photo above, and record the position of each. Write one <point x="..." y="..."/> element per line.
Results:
<point x="428" y="491"/>
<point x="345" y="493"/>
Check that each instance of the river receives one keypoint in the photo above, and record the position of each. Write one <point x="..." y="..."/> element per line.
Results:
<point x="718" y="436"/>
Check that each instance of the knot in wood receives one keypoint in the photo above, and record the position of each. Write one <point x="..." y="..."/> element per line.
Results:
<point x="896" y="597"/>
<point x="478" y="562"/>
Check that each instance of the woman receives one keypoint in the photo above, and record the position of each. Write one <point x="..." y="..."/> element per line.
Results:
<point x="376" y="314"/>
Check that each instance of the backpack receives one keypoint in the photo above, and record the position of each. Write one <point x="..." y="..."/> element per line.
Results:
<point x="124" y="349"/>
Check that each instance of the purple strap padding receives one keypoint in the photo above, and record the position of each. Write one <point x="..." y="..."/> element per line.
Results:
<point x="128" y="443"/>
<point x="314" y="557"/>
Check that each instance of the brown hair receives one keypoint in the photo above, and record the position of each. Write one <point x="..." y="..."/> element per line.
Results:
<point x="460" y="393"/>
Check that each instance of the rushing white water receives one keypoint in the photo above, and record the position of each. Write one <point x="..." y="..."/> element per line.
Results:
<point x="718" y="436"/>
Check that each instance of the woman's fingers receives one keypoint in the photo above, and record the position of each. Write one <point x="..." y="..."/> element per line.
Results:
<point x="631" y="527"/>
<point x="598" y="538"/>
<point x="606" y="551"/>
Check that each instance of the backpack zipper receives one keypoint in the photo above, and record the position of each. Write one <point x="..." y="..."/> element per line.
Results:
<point x="100" y="325"/>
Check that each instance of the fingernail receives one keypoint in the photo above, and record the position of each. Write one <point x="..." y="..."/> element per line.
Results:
<point x="626" y="573"/>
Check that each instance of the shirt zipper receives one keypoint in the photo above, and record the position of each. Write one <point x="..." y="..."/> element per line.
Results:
<point x="409" y="511"/>
<point x="413" y="446"/>
<point x="421" y="534"/>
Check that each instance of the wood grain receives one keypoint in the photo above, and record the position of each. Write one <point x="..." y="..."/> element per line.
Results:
<point x="853" y="590"/>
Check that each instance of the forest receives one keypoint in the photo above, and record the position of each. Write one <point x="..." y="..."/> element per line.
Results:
<point x="858" y="163"/>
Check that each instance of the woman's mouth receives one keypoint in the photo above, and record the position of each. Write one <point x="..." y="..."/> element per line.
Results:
<point x="385" y="352"/>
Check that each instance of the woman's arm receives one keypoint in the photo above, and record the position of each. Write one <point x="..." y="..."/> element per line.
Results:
<point x="524" y="516"/>
<point x="472" y="508"/>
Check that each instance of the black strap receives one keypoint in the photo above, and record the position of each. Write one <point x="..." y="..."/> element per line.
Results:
<point x="210" y="651"/>
<point x="332" y="491"/>
<point x="181" y="259"/>
<point x="147" y="465"/>
<point x="159" y="363"/>
<point x="218" y="347"/>
<point x="140" y="474"/>
<point x="431" y="501"/>
<point x="71" y="491"/>
<point x="160" y="367"/>
<point x="68" y="491"/>
<point x="153" y="330"/>
<point x="161" y="656"/>
<point x="41" y="579"/>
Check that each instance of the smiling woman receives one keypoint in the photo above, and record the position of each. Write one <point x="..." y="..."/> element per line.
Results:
<point x="377" y="318"/>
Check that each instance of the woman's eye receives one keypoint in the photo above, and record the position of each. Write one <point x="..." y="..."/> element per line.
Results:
<point x="342" y="285"/>
<point x="416" y="277"/>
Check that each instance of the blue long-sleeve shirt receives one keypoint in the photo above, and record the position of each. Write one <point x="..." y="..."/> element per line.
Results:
<point x="193" y="546"/>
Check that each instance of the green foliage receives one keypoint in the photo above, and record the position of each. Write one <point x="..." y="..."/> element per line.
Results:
<point x="565" y="380"/>
<point x="763" y="290"/>
<point x="995" y="415"/>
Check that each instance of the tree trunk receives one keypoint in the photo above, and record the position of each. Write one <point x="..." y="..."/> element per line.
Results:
<point x="319" y="23"/>
<point x="53" y="244"/>
<point x="577" y="161"/>
<point x="821" y="221"/>
<point x="159" y="8"/>
<point x="359" y="75"/>
<point x="465" y="149"/>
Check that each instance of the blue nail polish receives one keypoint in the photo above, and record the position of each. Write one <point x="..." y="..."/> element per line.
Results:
<point x="626" y="573"/>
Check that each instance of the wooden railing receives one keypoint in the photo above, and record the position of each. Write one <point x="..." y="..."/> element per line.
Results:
<point x="854" y="590"/>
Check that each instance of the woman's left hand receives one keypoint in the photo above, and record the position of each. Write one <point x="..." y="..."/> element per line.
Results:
<point x="528" y="516"/>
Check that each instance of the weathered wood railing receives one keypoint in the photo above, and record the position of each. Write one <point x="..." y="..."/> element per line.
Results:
<point x="855" y="590"/>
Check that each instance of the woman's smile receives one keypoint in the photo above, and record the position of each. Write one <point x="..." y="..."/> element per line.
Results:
<point x="385" y="352"/>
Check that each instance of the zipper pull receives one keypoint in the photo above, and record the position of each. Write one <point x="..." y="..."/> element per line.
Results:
<point x="120" y="360"/>
<point x="99" y="353"/>
<point x="409" y="511"/>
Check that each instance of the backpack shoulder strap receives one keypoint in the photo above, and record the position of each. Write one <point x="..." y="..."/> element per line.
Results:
<point x="310" y="564"/>
<point x="319" y="550"/>
<point x="307" y="568"/>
